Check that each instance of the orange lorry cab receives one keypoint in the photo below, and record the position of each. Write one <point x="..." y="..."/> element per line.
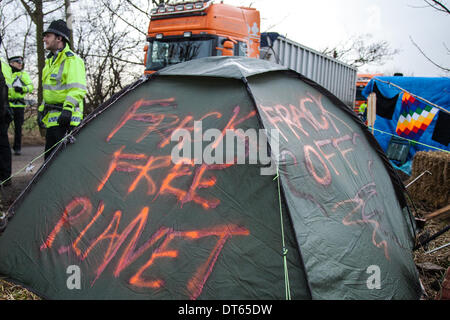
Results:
<point x="193" y="30"/>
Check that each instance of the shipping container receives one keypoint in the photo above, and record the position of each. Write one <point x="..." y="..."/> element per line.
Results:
<point x="339" y="78"/>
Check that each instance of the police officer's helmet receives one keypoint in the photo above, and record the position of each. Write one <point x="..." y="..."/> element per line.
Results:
<point x="59" y="27"/>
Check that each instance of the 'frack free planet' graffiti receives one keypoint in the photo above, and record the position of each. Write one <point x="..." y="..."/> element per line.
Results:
<point x="122" y="249"/>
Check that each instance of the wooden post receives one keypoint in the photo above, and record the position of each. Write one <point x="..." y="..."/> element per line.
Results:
<point x="438" y="212"/>
<point x="371" y="110"/>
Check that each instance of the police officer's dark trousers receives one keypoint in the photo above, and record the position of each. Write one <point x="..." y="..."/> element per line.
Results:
<point x="18" y="123"/>
<point x="52" y="136"/>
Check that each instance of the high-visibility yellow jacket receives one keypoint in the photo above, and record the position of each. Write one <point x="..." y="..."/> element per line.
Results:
<point x="16" y="99"/>
<point x="7" y="73"/>
<point x="362" y="107"/>
<point x="64" y="85"/>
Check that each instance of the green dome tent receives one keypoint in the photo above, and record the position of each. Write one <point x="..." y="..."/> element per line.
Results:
<point x="111" y="215"/>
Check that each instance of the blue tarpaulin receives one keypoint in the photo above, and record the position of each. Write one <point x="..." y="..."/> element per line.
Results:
<point x="423" y="124"/>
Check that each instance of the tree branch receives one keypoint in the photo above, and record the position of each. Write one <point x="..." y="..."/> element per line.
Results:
<point x="56" y="9"/>
<point x="114" y="13"/>
<point x="7" y="24"/>
<point x="438" y="6"/>
<point x="115" y="58"/>
<point x="31" y="13"/>
<point x="25" y="38"/>
<point x="423" y="53"/>
<point x="136" y="7"/>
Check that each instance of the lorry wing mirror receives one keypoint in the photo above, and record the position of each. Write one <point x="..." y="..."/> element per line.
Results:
<point x="228" y="48"/>
<point x="145" y="56"/>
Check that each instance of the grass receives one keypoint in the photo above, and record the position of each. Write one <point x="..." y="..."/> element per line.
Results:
<point x="9" y="291"/>
<point x="432" y="280"/>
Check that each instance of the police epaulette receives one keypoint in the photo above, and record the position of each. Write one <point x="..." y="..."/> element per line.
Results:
<point x="69" y="53"/>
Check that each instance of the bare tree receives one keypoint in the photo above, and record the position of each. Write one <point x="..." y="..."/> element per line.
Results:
<point x="110" y="50"/>
<point x="16" y="41"/>
<point x="130" y="21"/>
<point x="361" y="50"/>
<point x="19" y="41"/>
<point x="439" y="6"/>
<point x="18" y="24"/>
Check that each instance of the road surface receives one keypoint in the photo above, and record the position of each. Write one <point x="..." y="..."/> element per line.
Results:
<point x="22" y="172"/>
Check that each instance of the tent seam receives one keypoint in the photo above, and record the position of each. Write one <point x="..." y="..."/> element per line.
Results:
<point x="252" y="98"/>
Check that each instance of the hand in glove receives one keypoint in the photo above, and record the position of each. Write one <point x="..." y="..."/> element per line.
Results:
<point x="18" y="89"/>
<point x="64" y="118"/>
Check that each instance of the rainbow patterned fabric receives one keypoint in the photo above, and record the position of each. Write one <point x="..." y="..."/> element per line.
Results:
<point x="415" y="117"/>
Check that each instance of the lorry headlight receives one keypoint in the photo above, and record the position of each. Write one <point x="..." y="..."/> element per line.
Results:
<point x="187" y="34"/>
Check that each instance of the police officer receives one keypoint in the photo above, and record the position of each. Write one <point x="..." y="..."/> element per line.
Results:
<point x="64" y="86"/>
<point x="21" y="85"/>
<point x="5" y="150"/>
<point x="363" y="111"/>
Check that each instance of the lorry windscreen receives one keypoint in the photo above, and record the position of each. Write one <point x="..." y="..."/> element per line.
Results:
<point x="163" y="53"/>
<point x="359" y="95"/>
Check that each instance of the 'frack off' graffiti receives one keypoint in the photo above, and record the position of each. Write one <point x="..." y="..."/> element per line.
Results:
<point x="326" y="141"/>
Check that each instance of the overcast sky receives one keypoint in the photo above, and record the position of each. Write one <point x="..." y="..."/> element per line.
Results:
<point x="326" y="23"/>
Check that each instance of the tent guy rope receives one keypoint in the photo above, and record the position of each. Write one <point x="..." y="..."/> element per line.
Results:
<point x="285" y="251"/>
<point x="32" y="161"/>
<point x="423" y="144"/>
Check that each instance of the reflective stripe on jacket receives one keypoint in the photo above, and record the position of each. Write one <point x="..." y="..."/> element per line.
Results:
<point x="64" y="83"/>
<point x="16" y="99"/>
